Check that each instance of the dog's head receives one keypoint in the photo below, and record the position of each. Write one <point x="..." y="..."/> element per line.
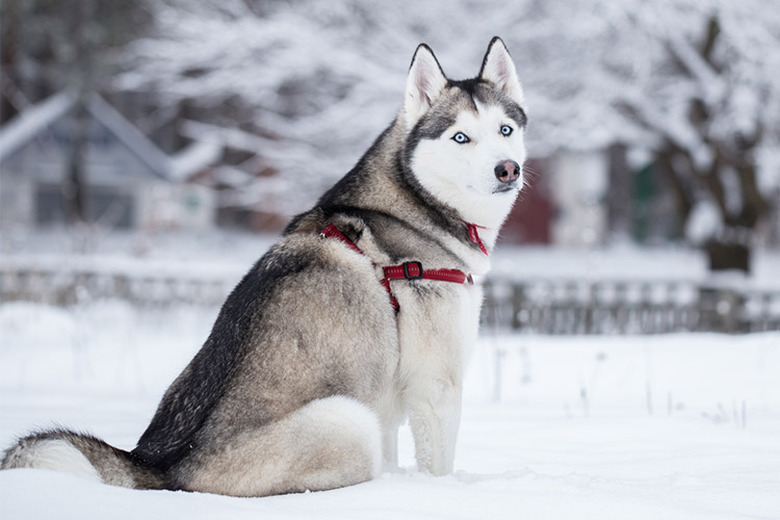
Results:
<point x="465" y="139"/>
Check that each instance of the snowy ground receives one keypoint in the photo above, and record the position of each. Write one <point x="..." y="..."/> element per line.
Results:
<point x="683" y="426"/>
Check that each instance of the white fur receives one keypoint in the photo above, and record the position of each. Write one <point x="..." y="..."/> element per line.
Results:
<point x="462" y="175"/>
<point x="435" y="343"/>
<point x="353" y="422"/>
<point x="58" y="455"/>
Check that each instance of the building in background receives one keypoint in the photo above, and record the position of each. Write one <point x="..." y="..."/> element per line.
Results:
<point x="132" y="184"/>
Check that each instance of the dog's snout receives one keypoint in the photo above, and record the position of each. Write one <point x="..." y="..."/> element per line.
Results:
<point x="507" y="171"/>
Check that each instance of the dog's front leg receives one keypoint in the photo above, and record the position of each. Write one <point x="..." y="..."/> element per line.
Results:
<point x="435" y="422"/>
<point x="432" y="360"/>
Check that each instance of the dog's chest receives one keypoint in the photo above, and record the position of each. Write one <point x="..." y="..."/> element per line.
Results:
<point x="437" y="329"/>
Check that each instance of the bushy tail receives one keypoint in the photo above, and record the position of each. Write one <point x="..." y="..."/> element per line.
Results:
<point x="81" y="455"/>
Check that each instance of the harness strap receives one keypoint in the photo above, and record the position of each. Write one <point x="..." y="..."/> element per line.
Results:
<point x="331" y="231"/>
<point x="415" y="271"/>
<point x="407" y="271"/>
<point x="474" y="236"/>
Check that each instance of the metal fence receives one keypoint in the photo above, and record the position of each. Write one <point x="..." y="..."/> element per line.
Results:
<point x="528" y="306"/>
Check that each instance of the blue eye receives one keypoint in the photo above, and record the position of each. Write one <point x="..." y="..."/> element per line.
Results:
<point x="461" y="138"/>
<point x="507" y="130"/>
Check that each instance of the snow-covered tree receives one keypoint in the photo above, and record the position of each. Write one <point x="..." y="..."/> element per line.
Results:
<point x="693" y="82"/>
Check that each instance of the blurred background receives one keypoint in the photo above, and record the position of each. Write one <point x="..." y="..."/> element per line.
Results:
<point x="152" y="150"/>
<point x="165" y="142"/>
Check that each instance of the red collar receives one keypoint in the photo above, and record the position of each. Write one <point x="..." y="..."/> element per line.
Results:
<point x="409" y="270"/>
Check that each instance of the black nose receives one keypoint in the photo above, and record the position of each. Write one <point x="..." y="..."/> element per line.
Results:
<point x="507" y="171"/>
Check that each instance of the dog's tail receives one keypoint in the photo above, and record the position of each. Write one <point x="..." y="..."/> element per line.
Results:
<point x="84" y="456"/>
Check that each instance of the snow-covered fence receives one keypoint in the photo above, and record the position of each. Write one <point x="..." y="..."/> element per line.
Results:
<point x="74" y="280"/>
<point x="627" y="307"/>
<point x="542" y="306"/>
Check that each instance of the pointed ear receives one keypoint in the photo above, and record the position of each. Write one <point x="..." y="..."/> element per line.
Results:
<point x="498" y="69"/>
<point x="424" y="84"/>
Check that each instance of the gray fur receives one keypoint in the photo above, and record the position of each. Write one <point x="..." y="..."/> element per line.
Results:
<point x="308" y="362"/>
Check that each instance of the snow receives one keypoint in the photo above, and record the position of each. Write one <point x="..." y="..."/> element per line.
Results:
<point x="704" y="223"/>
<point x="193" y="159"/>
<point x="33" y="121"/>
<point x="680" y="426"/>
<point x="627" y="263"/>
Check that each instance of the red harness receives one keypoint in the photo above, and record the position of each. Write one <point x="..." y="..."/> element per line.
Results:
<point x="410" y="270"/>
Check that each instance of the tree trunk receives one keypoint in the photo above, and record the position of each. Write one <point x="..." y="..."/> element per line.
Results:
<point x="681" y="190"/>
<point x="75" y="183"/>
<point x="74" y="186"/>
<point x="725" y="256"/>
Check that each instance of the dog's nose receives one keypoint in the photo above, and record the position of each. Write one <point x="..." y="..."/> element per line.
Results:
<point x="507" y="171"/>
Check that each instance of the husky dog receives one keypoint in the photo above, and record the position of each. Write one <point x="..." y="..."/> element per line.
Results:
<point x="360" y="317"/>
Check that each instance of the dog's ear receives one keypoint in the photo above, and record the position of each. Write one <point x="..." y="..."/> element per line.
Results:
<point x="424" y="84"/>
<point x="498" y="69"/>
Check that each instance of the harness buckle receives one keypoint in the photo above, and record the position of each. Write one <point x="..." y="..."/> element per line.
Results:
<point x="410" y="276"/>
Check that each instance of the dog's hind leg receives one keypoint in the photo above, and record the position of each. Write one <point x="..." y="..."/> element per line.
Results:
<point x="329" y="443"/>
